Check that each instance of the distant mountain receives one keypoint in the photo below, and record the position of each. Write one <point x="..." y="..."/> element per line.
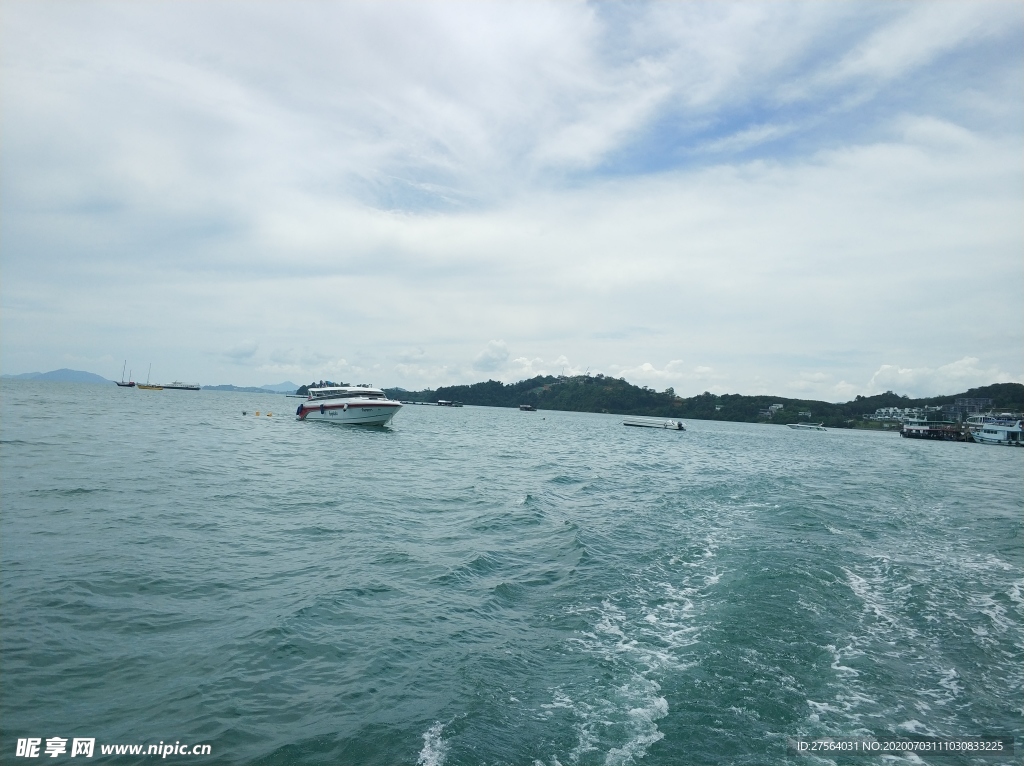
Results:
<point x="282" y="388"/>
<point x="247" y="389"/>
<point x="63" y="375"/>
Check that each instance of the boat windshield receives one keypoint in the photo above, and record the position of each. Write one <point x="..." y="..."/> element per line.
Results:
<point x="346" y="393"/>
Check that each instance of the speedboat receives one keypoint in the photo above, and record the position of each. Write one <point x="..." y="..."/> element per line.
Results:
<point x="671" y="425"/>
<point x="807" y="426"/>
<point x="349" y="405"/>
<point x="1000" y="433"/>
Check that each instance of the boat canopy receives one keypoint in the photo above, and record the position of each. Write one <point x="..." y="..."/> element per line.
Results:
<point x="346" y="392"/>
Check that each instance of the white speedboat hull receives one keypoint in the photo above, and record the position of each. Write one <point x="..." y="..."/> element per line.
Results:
<point x="642" y="422"/>
<point x="376" y="413"/>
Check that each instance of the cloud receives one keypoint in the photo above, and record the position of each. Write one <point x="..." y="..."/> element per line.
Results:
<point x="955" y="377"/>
<point x="674" y="373"/>
<point x="749" y="137"/>
<point x="243" y="351"/>
<point x="491" y="358"/>
<point x="916" y="37"/>
<point x="412" y="356"/>
<point x="756" y="189"/>
<point x="523" y="368"/>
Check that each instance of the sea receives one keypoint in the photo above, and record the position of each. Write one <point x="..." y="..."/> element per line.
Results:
<point x="488" y="586"/>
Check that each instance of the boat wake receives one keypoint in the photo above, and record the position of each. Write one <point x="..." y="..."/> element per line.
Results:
<point x="435" y="749"/>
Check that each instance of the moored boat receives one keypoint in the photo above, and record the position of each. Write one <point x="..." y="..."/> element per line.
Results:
<point x="1007" y="434"/>
<point x="942" y="430"/>
<point x="348" y="405"/>
<point x="975" y="423"/>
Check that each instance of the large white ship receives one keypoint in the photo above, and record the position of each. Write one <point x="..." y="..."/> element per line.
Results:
<point x="348" y="405"/>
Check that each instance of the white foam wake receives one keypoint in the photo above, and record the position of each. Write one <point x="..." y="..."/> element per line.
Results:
<point x="434" y="747"/>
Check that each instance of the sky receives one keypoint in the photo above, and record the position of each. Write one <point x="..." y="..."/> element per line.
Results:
<point x="807" y="199"/>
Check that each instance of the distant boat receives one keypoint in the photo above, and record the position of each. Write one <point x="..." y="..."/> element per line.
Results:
<point x="976" y="423"/>
<point x="807" y="426"/>
<point x="146" y="386"/>
<point x="179" y="386"/>
<point x="527" y="408"/>
<point x="671" y="425"/>
<point x="125" y="383"/>
<point x="944" y="430"/>
<point x="1000" y="433"/>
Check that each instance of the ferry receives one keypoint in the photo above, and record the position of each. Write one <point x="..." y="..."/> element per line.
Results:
<point x="943" y="430"/>
<point x="807" y="426"/>
<point x="179" y="386"/>
<point x="1000" y="433"/>
<point x="348" y="405"/>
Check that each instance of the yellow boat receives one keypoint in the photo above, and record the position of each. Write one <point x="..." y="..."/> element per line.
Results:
<point x="150" y="387"/>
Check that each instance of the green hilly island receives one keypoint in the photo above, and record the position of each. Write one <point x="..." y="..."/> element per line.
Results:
<point x="600" y="393"/>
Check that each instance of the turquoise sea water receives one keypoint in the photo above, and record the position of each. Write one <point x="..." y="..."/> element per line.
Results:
<point x="485" y="586"/>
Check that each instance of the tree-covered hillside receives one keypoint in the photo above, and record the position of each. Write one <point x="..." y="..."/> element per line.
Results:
<point x="600" y="393"/>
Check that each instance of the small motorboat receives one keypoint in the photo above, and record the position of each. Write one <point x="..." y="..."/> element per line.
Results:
<point x="807" y="426"/>
<point x="671" y="425"/>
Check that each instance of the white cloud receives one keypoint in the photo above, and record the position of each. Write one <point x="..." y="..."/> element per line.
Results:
<point x="523" y="368"/>
<point x="356" y="185"/>
<point x="676" y="374"/>
<point x="493" y="357"/>
<point x="243" y="351"/>
<point x="955" y="377"/>
<point x="917" y="37"/>
<point x="749" y="137"/>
